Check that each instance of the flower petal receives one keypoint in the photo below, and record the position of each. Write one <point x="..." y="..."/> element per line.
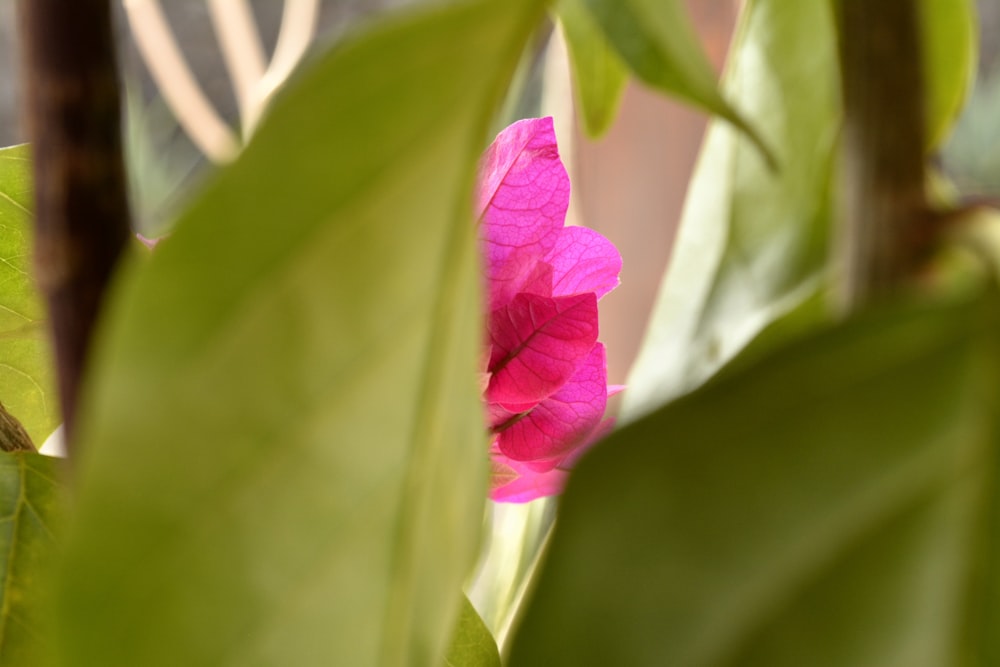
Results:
<point x="520" y="485"/>
<point x="517" y="482"/>
<point x="522" y="200"/>
<point x="537" y="344"/>
<point x="583" y="261"/>
<point x="560" y="423"/>
<point x="535" y="278"/>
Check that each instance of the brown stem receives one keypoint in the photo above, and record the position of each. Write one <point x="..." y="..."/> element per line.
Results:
<point x="888" y="229"/>
<point x="81" y="207"/>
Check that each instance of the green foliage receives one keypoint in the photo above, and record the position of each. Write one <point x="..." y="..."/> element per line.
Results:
<point x="752" y="242"/>
<point x="599" y="76"/>
<point x="27" y="384"/>
<point x="949" y="36"/>
<point x="472" y="644"/>
<point x="511" y="552"/>
<point x="834" y="504"/>
<point x="284" y="457"/>
<point x="972" y="154"/>
<point x="285" y="454"/>
<point x="656" y="40"/>
<point x="30" y="506"/>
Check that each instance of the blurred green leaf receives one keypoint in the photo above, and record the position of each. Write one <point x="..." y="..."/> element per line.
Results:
<point x="30" y="502"/>
<point x="512" y="546"/>
<point x="27" y="383"/>
<point x="972" y="153"/>
<point x="752" y="243"/>
<point x="472" y="644"/>
<point x="655" y="38"/>
<point x="950" y="42"/>
<point x="835" y="504"/>
<point x="284" y="454"/>
<point x="163" y="166"/>
<point x="599" y="75"/>
<point x="811" y="308"/>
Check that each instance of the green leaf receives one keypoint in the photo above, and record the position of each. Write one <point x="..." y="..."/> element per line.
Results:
<point x="512" y="549"/>
<point x="27" y="382"/>
<point x="472" y="644"/>
<point x="599" y="76"/>
<point x="752" y="243"/>
<point x="655" y="38"/>
<point x="284" y="457"/>
<point x="950" y="43"/>
<point x="30" y="503"/>
<point x="835" y="504"/>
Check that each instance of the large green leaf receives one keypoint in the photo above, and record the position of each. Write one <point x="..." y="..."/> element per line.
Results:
<point x="30" y="503"/>
<point x="26" y="377"/>
<point x="752" y="242"/>
<point x="950" y="43"/>
<point x="599" y="75"/>
<point x="472" y="644"/>
<point x="284" y="459"/>
<point x="657" y="41"/>
<point x="835" y="504"/>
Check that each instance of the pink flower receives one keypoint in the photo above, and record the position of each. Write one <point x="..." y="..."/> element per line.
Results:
<point x="150" y="243"/>
<point x="546" y="388"/>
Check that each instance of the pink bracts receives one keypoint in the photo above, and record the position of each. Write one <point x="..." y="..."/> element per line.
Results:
<point x="546" y="387"/>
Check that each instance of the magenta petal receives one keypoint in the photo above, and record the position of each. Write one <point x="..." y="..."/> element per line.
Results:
<point x="538" y="281"/>
<point x="537" y="344"/>
<point x="583" y="261"/>
<point x="564" y="420"/>
<point x="522" y="200"/>
<point x="535" y="278"/>
<point x="516" y="482"/>
<point x="521" y="485"/>
<point x="150" y="243"/>
<point x="500" y="415"/>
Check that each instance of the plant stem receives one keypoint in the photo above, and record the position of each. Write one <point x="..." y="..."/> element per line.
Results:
<point x="298" y="25"/>
<point x="888" y="229"/>
<point x="81" y="206"/>
<point x="180" y="89"/>
<point x="242" y="52"/>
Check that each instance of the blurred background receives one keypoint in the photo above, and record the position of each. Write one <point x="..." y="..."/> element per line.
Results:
<point x="630" y="185"/>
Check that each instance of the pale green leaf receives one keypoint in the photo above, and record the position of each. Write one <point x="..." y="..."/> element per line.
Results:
<point x="30" y="504"/>
<point x="27" y="383"/>
<point x="657" y="41"/>
<point x="599" y="76"/>
<point x="472" y="644"/>
<point x="752" y="242"/>
<point x="835" y="504"/>
<point x="950" y="41"/>
<point x="285" y="460"/>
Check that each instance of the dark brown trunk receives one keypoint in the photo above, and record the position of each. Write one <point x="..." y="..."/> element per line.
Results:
<point x="887" y="229"/>
<point x="72" y="108"/>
